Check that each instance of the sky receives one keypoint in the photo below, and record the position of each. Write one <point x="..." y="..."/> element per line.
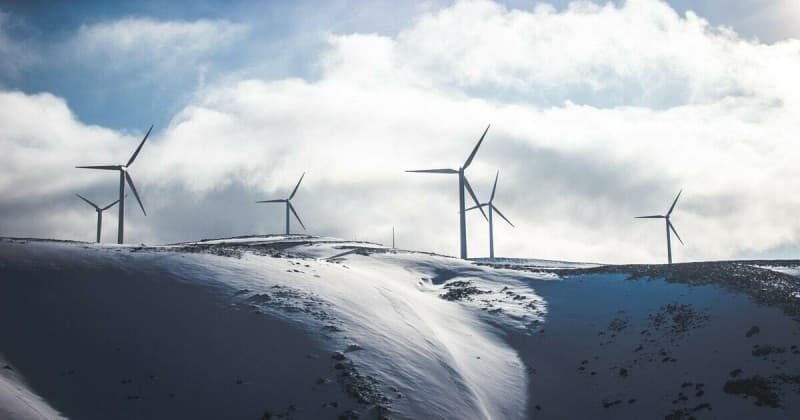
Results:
<point x="599" y="112"/>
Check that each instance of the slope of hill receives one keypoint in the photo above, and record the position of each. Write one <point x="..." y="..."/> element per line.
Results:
<point x="307" y="327"/>
<point x="239" y="328"/>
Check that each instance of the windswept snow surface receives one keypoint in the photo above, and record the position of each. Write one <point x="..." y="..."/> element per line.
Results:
<point x="420" y="335"/>
<point x="318" y="327"/>
<point x="442" y="356"/>
<point x="790" y="270"/>
<point x="17" y="401"/>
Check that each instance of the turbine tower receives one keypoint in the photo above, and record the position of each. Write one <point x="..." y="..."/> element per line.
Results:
<point x="289" y="206"/>
<point x="462" y="185"/>
<point x="99" y="213"/>
<point x="668" y="226"/>
<point x="490" y="205"/>
<point x="124" y="175"/>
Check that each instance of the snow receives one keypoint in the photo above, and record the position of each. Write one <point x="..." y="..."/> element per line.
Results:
<point x="422" y="335"/>
<point x="17" y="401"/>
<point x="432" y="357"/>
<point x="388" y="304"/>
<point x="792" y="271"/>
<point x="534" y="263"/>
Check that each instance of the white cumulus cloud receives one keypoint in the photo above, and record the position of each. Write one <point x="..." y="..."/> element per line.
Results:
<point x="599" y="113"/>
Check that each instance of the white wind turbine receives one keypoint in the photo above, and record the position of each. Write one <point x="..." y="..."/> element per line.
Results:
<point x="669" y="226"/>
<point x="99" y="211"/>
<point x="490" y="205"/>
<point x="124" y="175"/>
<point x="463" y="184"/>
<point x="289" y="206"/>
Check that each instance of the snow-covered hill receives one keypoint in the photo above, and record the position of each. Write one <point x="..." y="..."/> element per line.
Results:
<point x="308" y="327"/>
<point x="373" y="321"/>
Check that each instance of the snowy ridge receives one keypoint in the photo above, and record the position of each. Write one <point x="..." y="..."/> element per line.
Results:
<point x="792" y="271"/>
<point x="442" y="356"/>
<point x="537" y="263"/>
<point x="418" y="335"/>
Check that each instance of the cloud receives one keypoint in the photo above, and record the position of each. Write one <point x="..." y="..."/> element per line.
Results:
<point x="155" y="43"/>
<point x="42" y="142"/>
<point x="767" y="20"/>
<point x="599" y="114"/>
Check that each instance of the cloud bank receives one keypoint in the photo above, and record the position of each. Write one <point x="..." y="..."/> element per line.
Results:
<point x="599" y="113"/>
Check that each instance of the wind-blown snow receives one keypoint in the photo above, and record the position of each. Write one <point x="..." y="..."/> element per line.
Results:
<point x="427" y="330"/>
<point x="413" y="335"/>
<point x="445" y="359"/>
<point x="17" y="401"/>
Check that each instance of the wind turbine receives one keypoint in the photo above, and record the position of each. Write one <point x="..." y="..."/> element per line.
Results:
<point x="123" y="176"/>
<point x="462" y="185"/>
<point x="492" y="209"/>
<point x="289" y="206"/>
<point x="668" y="226"/>
<point x="99" y="213"/>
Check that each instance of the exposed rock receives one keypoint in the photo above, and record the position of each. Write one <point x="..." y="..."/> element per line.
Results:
<point x="461" y="290"/>
<point x="761" y="389"/>
<point x="752" y="331"/>
<point x="766" y="350"/>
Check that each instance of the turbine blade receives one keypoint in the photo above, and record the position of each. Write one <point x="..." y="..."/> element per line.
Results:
<point x="475" y="207"/>
<point x="291" y="207"/>
<point x="474" y="198"/>
<point x="135" y="193"/>
<point x="110" y="205"/>
<point x="675" y="232"/>
<point x="106" y="167"/>
<point x="272" y="201"/>
<point x="475" y="150"/>
<point x="435" y="171"/>
<point x="495" y="186"/>
<point x="674" y="202"/>
<point x="136" y="153"/>
<point x="649" y="217"/>
<point x="501" y="215"/>
<point x="297" y="186"/>
<point x="87" y="200"/>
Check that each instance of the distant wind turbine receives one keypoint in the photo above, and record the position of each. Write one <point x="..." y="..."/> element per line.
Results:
<point x="462" y="185"/>
<point x="124" y="175"/>
<point x="289" y="206"/>
<point x="668" y="226"/>
<point x="99" y="213"/>
<point x="490" y="205"/>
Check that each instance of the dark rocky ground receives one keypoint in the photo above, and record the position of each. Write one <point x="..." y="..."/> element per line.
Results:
<point x="696" y="340"/>
<point x="765" y="286"/>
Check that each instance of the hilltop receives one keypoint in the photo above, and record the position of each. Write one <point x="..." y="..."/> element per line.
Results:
<point x="312" y="327"/>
